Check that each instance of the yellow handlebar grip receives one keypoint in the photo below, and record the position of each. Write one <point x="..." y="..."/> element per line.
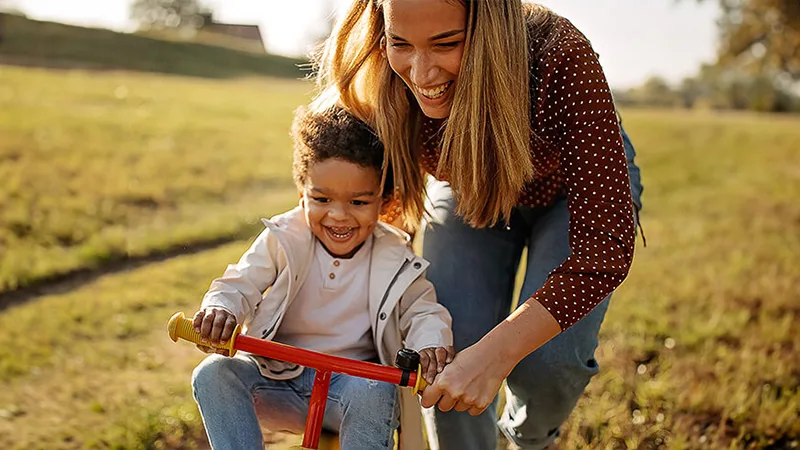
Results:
<point x="181" y="327"/>
<point x="421" y="384"/>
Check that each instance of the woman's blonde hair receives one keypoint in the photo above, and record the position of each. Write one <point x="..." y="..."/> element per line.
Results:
<point x="486" y="141"/>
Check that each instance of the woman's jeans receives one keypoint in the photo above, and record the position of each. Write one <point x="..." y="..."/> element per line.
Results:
<point x="233" y="396"/>
<point x="474" y="272"/>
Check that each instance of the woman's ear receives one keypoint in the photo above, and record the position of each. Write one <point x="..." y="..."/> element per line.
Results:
<point x="383" y="46"/>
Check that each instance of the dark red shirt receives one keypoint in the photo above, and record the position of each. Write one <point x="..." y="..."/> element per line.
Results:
<point x="577" y="152"/>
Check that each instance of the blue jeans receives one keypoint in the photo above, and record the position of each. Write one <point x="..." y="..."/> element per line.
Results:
<point x="235" y="400"/>
<point x="474" y="272"/>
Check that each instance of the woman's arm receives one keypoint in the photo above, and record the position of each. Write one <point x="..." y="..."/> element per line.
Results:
<point x="472" y="380"/>
<point x="575" y="112"/>
<point x="575" y="105"/>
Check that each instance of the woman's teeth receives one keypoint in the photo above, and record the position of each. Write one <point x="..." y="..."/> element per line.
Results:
<point x="435" y="92"/>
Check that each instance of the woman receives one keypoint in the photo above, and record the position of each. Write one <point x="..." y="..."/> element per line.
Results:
<point x="507" y="106"/>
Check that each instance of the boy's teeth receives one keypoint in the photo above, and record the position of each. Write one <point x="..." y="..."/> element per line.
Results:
<point x="341" y="233"/>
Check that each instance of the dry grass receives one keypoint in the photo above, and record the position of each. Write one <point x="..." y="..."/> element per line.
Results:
<point x="699" y="349"/>
<point x="98" y="168"/>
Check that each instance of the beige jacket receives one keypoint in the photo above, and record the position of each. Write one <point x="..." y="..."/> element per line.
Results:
<point x="402" y="302"/>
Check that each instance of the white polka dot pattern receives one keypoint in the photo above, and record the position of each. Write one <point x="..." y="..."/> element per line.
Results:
<point x="577" y="151"/>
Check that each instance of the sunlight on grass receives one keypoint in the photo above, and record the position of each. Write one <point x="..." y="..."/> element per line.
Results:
<point x="101" y="167"/>
<point x="699" y="349"/>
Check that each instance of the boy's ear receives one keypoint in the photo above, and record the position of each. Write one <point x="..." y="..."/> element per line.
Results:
<point x="302" y="202"/>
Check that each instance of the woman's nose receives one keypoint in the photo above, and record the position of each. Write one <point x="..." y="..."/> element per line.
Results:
<point x="424" y="70"/>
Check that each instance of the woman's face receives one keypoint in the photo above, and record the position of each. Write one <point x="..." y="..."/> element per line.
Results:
<point x="424" y="44"/>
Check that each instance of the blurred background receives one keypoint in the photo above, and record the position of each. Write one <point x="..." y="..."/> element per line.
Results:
<point x="141" y="140"/>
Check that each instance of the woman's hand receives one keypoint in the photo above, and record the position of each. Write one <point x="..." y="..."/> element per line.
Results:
<point x="474" y="377"/>
<point x="215" y="326"/>
<point x="470" y="382"/>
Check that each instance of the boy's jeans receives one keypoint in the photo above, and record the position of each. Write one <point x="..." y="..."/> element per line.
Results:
<point x="474" y="272"/>
<point x="233" y="396"/>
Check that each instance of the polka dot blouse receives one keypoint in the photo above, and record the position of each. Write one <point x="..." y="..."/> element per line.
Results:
<point x="577" y="152"/>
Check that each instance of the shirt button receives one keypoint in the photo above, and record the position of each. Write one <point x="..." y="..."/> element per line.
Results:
<point x="332" y="275"/>
<point x="336" y="263"/>
<point x="383" y="316"/>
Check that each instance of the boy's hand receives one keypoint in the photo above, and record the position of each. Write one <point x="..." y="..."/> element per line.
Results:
<point x="215" y="326"/>
<point x="433" y="360"/>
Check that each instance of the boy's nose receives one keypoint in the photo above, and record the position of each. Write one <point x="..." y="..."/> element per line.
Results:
<point x="337" y="213"/>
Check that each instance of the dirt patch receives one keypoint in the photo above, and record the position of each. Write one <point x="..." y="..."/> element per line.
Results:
<point x="69" y="281"/>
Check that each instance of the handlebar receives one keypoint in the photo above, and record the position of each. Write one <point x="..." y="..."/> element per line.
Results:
<point x="180" y="327"/>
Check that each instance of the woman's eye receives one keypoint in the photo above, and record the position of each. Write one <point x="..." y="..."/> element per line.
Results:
<point x="398" y="45"/>
<point x="448" y="45"/>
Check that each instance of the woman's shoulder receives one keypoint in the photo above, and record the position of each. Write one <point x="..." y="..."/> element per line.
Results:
<point x="552" y="37"/>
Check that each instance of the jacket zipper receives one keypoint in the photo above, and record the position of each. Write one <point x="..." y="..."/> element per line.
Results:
<point x="389" y="288"/>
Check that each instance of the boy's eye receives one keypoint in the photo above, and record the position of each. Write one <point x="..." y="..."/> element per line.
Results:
<point x="320" y="199"/>
<point x="360" y="202"/>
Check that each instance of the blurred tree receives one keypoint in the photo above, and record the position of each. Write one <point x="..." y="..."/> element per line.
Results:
<point x="11" y="7"/>
<point x="762" y="36"/>
<point x="717" y="87"/>
<point x="655" y="92"/>
<point x="690" y="91"/>
<point x="164" y="14"/>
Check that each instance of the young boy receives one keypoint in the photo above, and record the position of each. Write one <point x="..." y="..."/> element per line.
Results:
<point x="325" y="276"/>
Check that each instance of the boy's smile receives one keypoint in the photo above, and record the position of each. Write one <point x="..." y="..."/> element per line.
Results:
<point x="342" y="202"/>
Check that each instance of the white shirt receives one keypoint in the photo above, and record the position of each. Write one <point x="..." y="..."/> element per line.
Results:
<point x="331" y="311"/>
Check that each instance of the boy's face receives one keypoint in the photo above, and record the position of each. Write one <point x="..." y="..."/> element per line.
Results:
<point x="342" y="201"/>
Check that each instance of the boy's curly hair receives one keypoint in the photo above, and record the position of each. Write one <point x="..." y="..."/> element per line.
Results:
<point x="335" y="133"/>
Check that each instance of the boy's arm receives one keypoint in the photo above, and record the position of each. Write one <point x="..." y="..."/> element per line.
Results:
<point x="424" y="322"/>
<point x="240" y="288"/>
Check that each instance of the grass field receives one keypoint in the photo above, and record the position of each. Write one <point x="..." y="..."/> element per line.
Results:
<point x="51" y="44"/>
<point x="699" y="350"/>
<point x="97" y="168"/>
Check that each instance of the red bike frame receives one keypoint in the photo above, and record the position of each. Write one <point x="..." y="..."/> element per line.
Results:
<point x="181" y="327"/>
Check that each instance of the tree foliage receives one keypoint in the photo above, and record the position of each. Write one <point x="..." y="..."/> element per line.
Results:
<point x="164" y="14"/>
<point x="762" y="36"/>
<point x="714" y="87"/>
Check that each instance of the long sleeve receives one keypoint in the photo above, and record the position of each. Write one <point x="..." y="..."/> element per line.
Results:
<point x="240" y="288"/>
<point x="576" y="113"/>
<point x="424" y="322"/>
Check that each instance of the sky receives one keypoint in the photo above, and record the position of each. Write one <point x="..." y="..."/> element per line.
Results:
<point x="636" y="39"/>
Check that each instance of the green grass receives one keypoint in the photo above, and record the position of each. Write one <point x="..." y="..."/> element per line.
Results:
<point x="94" y="368"/>
<point x="100" y="167"/>
<point x="51" y="44"/>
<point x="700" y="346"/>
<point x="699" y="349"/>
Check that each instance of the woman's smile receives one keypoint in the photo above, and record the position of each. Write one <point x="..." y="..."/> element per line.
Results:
<point x="434" y="92"/>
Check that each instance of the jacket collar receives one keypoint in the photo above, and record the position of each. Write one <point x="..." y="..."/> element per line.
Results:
<point x="293" y="233"/>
